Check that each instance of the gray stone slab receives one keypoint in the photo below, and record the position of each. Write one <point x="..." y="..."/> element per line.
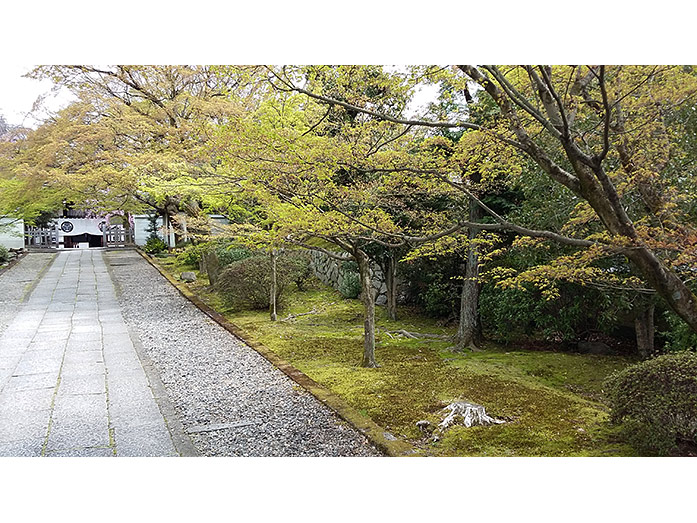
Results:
<point x="26" y="400"/>
<point x="48" y="345"/>
<point x="127" y="367"/>
<point x="77" y="345"/>
<point x="83" y="384"/>
<point x="80" y="406"/>
<point x="82" y="433"/>
<point x="116" y="345"/>
<point x="79" y="421"/>
<point x="22" y="449"/>
<point x="82" y="452"/>
<point x="144" y="441"/>
<point x="91" y="337"/>
<point x="9" y="362"/>
<point x="134" y="412"/>
<point x="72" y="325"/>
<point x="47" y="362"/>
<point x="84" y="357"/>
<point x="31" y="382"/>
<point x="24" y="426"/>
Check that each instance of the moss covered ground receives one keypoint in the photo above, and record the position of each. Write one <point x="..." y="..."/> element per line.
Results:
<point x="551" y="401"/>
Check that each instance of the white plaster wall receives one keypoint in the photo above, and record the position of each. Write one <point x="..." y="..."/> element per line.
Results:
<point x="141" y="225"/>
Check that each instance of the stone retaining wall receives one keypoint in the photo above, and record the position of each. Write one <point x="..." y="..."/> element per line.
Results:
<point x="328" y="270"/>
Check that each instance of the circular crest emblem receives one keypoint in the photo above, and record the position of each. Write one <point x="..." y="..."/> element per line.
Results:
<point x="66" y="226"/>
<point x="101" y="226"/>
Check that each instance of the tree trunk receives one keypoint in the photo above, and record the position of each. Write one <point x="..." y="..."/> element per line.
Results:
<point x="667" y="284"/>
<point x="369" y="309"/>
<point x="390" y="273"/>
<point x="468" y="330"/>
<point x="644" y="327"/>
<point x="272" y="297"/>
<point x="212" y="265"/>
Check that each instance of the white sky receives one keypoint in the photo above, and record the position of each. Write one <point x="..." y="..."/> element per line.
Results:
<point x="18" y="95"/>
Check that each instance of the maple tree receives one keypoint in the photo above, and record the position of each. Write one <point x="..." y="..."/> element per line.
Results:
<point x="325" y="183"/>
<point x="605" y="136"/>
<point x="333" y="158"/>
<point x="140" y="130"/>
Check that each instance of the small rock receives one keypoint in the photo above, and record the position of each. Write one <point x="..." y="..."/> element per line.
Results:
<point x="424" y="426"/>
<point x="188" y="277"/>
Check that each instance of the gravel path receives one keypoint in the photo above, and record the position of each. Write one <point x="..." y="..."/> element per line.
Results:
<point x="212" y="378"/>
<point x="16" y="281"/>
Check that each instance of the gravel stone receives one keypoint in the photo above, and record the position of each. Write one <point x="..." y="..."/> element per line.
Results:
<point x="211" y="377"/>
<point x="15" y="281"/>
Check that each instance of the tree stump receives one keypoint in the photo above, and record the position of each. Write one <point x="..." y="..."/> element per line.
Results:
<point x="467" y="414"/>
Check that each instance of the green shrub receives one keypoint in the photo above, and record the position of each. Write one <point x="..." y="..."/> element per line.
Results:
<point x="510" y="314"/>
<point x="656" y="401"/>
<point x="231" y="253"/>
<point x="4" y="254"/>
<point x="435" y="285"/>
<point x="154" y="245"/>
<point x="247" y="283"/>
<point x="438" y="299"/>
<point x="297" y="263"/>
<point x="679" y="336"/>
<point x="350" y="286"/>
<point x="192" y="254"/>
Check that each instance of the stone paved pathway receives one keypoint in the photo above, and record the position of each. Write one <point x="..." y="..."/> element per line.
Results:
<point x="71" y="382"/>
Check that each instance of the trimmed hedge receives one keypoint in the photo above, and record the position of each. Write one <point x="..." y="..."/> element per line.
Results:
<point x="656" y="401"/>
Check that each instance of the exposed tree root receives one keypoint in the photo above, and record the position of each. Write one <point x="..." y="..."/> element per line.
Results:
<point x="315" y="310"/>
<point x="415" y="335"/>
<point x="461" y="348"/>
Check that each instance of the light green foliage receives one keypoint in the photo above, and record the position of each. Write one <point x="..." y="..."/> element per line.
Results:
<point x="4" y="254"/>
<point x="191" y="255"/>
<point x="297" y="263"/>
<point x="551" y="398"/>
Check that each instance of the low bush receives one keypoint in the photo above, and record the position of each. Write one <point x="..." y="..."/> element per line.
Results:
<point x="298" y="264"/>
<point x="656" y="401"/>
<point x="4" y="254"/>
<point x="350" y="286"/>
<point x="191" y="255"/>
<point x="154" y="245"/>
<point x="247" y="283"/>
<point x="509" y="314"/>
<point x="439" y="298"/>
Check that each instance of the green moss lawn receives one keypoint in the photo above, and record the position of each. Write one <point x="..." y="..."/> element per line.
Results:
<point x="552" y="401"/>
